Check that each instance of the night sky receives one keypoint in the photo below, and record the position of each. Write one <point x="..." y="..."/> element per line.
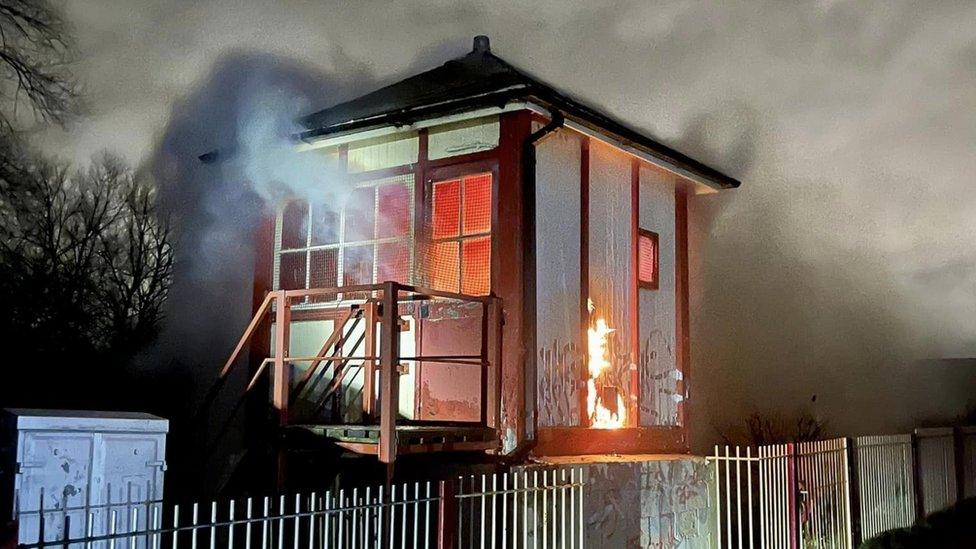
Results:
<point x="845" y="258"/>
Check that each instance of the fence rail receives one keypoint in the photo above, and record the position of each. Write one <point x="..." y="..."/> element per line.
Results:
<point x="541" y="508"/>
<point x="835" y="493"/>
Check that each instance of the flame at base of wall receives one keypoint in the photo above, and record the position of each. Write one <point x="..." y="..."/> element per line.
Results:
<point x="598" y="363"/>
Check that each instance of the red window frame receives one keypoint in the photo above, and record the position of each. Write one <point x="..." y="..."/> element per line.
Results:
<point x="644" y="238"/>
<point x="466" y="237"/>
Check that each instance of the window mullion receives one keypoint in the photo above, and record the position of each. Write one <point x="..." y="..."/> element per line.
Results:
<point x="308" y="244"/>
<point x="460" y="275"/>
<point x="376" y="221"/>
<point x="341" y="251"/>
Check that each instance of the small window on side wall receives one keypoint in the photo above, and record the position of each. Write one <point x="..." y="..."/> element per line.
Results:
<point x="647" y="260"/>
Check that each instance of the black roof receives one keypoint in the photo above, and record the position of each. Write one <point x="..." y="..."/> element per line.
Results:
<point x="477" y="80"/>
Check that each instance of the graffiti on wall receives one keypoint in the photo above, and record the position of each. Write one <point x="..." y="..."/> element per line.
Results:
<point x="559" y="384"/>
<point x="661" y="387"/>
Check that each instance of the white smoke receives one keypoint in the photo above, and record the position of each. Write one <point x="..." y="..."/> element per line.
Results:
<point x="848" y="251"/>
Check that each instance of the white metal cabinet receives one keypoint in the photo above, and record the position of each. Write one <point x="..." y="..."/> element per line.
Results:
<point x="89" y="466"/>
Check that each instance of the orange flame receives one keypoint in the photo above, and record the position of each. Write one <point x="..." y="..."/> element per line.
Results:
<point x="601" y="417"/>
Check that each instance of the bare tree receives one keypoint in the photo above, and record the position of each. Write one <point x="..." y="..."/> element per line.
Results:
<point x="763" y="428"/>
<point x="85" y="261"/>
<point x="34" y="58"/>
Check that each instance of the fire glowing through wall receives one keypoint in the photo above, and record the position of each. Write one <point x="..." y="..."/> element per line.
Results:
<point x="601" y="417"/>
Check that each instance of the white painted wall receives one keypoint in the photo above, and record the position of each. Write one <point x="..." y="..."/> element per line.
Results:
<point x="558" y="279"/>
<point x="465" y="137"/>
<point x="657" y="308"/>
<point x="610" y="252"/>
<point x="610" y="262"/>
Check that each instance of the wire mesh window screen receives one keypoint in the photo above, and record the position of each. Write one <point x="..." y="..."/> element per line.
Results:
<point x="369" y="239"/>
<point x="459" y="256"/>
<point x="647" y="259"/>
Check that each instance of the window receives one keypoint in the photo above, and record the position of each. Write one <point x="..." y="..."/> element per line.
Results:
<point x="368" y="240"/>
<point x="460" y="249"/>
<point x="647" y="259"/>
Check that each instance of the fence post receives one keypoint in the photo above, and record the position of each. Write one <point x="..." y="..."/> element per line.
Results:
<point x="793" y="501"/>
<point x="917" y="479"/>
<point x="958" y="445"/>
<point x="447" y="507"/>
<point x="854" y="491"/>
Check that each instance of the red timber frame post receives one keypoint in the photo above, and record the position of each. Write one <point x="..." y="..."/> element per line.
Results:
<point x="584" y="306"/>
<point x="256" y="406"/>
<point x="280" y="383"/>
<point x="633" y="400"/>
<point x="510" y="273"/>
<point x="682" y="334"/>
<point x="389" y="372"/>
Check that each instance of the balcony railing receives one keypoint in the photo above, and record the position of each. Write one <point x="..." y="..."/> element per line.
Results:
<point x="365" y="344"/>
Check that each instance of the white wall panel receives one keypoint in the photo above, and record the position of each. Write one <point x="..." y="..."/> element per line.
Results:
<point x="383" y="152"/>
<point x="469" y="136"/>
<point x="559" y="360"/>
<point x="656" y="308"/>
<point x="611" y="252"/>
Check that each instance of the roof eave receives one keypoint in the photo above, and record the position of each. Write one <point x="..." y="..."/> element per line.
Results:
<point x="621" y="135"/>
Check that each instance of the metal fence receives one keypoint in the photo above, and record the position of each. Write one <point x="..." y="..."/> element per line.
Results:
<point x="823" y="481"/>
<point x="937" y="468"/>
<point x="886" y="488"/>
<point x="542" y="508"/>
<point x="967" y="462"/>
<point x="751" y="494"/>
<point x="531" y="508"/>
<point x="779" y="495"/>
<point x="835" y="493"/>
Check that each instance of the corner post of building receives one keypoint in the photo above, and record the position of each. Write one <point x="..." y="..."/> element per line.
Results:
<point x="513" y="273"/>
<point x="282" y="333"/>
<point x="389" y="372"/>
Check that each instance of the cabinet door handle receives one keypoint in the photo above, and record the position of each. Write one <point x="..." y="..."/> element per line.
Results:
<point x="21" y="465"/>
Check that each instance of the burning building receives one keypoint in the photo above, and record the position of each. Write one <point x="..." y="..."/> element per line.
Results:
<point x="508" y="275"/>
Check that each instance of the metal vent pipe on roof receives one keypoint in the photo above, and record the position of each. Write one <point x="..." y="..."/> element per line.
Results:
<point x="481" y="43"/>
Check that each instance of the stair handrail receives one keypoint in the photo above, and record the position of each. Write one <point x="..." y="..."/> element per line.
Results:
<point x="263" y="309"/>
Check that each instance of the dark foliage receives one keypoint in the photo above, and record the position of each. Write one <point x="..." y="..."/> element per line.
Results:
<point x="949" y="529"/>
<point x="760" y="429"/>
<point x="85" y="265"/>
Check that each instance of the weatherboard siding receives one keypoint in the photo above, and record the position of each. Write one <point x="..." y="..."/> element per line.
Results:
<point x="657" y="365"/>
<point x="559" y="351"/>
<point x="611" y="253"/>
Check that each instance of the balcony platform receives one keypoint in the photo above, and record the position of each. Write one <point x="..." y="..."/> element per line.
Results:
<point x="410" y="439"/>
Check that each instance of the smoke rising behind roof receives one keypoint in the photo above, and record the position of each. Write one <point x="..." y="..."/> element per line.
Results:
<point x="846" y="254"/>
